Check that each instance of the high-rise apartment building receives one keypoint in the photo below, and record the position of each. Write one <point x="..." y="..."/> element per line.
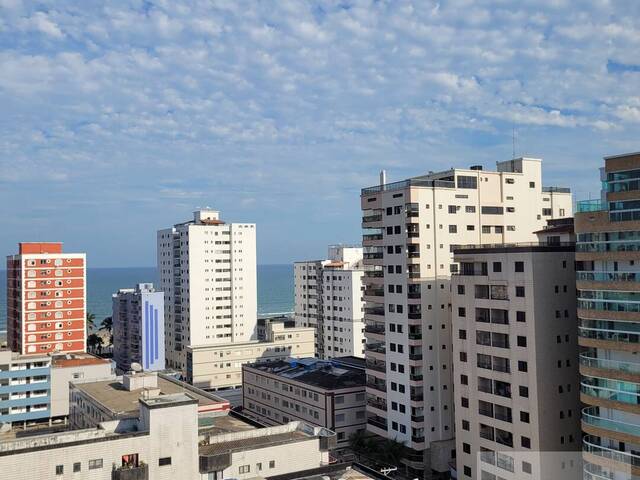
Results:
<point x="608" y="263"/>
<point x="138" y="327"/>
<point x="207" y="272"/>
<point x="410" y="227"/>
<point x="328" y="297"/>
<point x="515" y="347"/>
<point x="46" y="300"/>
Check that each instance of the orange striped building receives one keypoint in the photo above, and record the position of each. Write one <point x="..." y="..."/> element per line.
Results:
<point x="46" y="300"/>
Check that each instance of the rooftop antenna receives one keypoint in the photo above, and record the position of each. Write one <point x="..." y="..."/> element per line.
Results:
<point x="513" y="141"/>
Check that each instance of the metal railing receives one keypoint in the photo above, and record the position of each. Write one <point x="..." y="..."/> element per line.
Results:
<point x="592" y="445"/>
<point x="608" y="276"/>
<point x="627" y="367"/>
<point x="590" y="417"/>
<point x="411" y="182"/>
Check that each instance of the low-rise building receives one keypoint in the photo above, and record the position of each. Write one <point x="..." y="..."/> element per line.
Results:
<point x="93" y="402"/>
<point x="329" y="394"/>
<point x="220" y="366"/>
<point x="25" y="388"/>
<point x="515" y="347"/>
<point x="138" y="327"/>
<point x="159" y="443"/>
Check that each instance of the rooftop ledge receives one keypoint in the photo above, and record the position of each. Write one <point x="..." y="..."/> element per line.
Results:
<point x="512" y="246"/>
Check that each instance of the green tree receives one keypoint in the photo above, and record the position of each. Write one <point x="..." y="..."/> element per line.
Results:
<point x="91" y="319"/>
<point x="107" y="325"/>
<point x="391" y="451"/>
<point x="93" y="342"/>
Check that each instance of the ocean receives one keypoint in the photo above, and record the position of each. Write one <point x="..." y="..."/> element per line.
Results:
<point x="275" y="288"/>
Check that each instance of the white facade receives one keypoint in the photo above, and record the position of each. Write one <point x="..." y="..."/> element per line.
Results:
<point x="220" y="366"/>
<point x="207" y="271"/>
<point x="328" y="297"/>
<point x="410" y="228"/>
<point x="515" y="351"/>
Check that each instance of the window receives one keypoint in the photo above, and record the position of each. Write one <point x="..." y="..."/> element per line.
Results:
<point x="522" y="366"/>
<point x="525" y="442"/>
<point x="467" y="470"/>
<point x="466" y="448"/>
<point x="522" y="341"/>
<point x="467" y="181"/>
<point x="521" y="316"/>
<point x="460" y="289"/>
<point x="272" y="464"/>
<point x="340" y="417"/>
<point x="510" y="181"/>
<point x="464" y="401"/>
<point x="462" y="334"/>
<point x="77" y="467"/>
<point x="339" y="399"/>
<point x="524" y="391"/>
<point x="532" y="184"/>
<point x="164" y="461"/>
<point x="244" y="469"/>
<point x="519" y="291"/>
<point x="470" y="209"/>
<point x="453" y="209"/>
<point x="497" y="266"/>
<point x="453" y="229"/>
<point x="462" y="312"/>
<point x="547" y="212"/>
<point x="519" y="266"/>
<point x="59" y="469"/>
<point x="95" y="464"/>
<point x="471" y="228"/>
<point x="258" y="466"/>
<point x="524" y="417"/>
<point x="486" y="229"/>
<point x="492" y="210"/>
<point x="526" y="467"/>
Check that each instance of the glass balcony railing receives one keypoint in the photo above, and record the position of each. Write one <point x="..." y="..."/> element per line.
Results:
<point x="597" y="447"/>
<point x="596" y="472"/>
<point x="608" y="276"/>
<point x="589" y="206"/>
<point x="612" y="390"/>
<point x="610" y="246"/>
<point x="626" y="367"/>
<point x="590" y="416"/>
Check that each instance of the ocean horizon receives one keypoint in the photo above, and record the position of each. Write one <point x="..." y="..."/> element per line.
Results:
<point x="275" y="288"/>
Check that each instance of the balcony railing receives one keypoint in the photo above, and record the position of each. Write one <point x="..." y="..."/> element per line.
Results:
<point x="415" y="336"/>
<point x="417" y="439"/>
<point x="375" y="348"/>
<point x="371" y="237"/>
<point x="627" y="367"/>
<point x="591" y="417"/>
<point x="415" y="356"/>
<point x="374" y="311"/>
<point x="380" y="423"/>
<point x="372" y="218"/>
<point x="377" y="366"/>
<point x="593" y="446"/>
<point x="375" y="328"/>
<point x="590" y="206"/>
<point x="373" y="255"/>
<point x="380" y="386"/>
<point x="414" y="295"/>
<point x="411" y="182"/>
<point x="608" y="276"/>
<point x="417" y="418"/>
<point x="373" y="273"/>
<point x="377" y="403"/>
<point x="374" y="292"/>
<point x="416" y="377"/>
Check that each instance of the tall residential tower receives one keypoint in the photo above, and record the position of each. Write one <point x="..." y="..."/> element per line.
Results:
<point x="608" y="263"/>
<point x="208" y="275"/>
<point x="410" y="228"/>
<point x="46" y="300"/>
<point x="328" y="297"/>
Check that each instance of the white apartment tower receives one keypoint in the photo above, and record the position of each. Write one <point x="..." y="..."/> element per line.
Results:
<point x="409" y="230"/>
<point x="207" y="271"/>
<point x="328" y="297"/>
<point x="515" y="349"/>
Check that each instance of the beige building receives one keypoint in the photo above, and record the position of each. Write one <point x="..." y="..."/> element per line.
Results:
<point x="514" y="353"/>
<point x="207" y="271"/>
<point x="410" y="228"/>
<point x="328" y="297"/>
<point x="329" y="394"/>
<point x="160" y="443"/>
<point x="220" y="366"/>
<point x="608" y="262"/>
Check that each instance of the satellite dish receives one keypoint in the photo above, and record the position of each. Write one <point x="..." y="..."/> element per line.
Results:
<point x="136" y="367"/>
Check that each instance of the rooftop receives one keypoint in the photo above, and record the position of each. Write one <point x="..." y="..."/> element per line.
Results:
<point x="329" y="375"/>
<point x="77" y="360"/>
<point x="250" y="443"/>
<point x="513" y="247"/>
<point x="113" y="396"/>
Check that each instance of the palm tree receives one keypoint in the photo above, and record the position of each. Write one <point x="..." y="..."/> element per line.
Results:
<point x="107" y="325"/>
<point x="91" y="318"/>
<point x="93" y="341"/>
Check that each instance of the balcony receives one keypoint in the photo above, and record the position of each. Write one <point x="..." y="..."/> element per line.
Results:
<point x="591" y="417"/>
<point x="373" y="274"/>
<point x="379" y="311"/>
<point x="417" y="418"/>
<point x="417" y="395"/>
<point x="375" y="328"/>
<point x="625" y="367"/>
<point x="376" y="348"/>
<point x="140" y="472"/>
<point x="590" y="276"/>
<point x="378" y="422"/>
<point x="372" y="255"/>
<point x="594" y="446"/>
<point x="374" y="292"/>
<point x="416" y="377"/>
<point x="378" y="366"/>
<point x="371" y="238"/>
<point x="378" y="403"/>
<point x="417" y="439"/>
<point x="415" y="356"/>
<point x="414" y="315"/>
<point x="415" y="335"/>
<point x="584" y="206"/>
<point x="372" y="220"/>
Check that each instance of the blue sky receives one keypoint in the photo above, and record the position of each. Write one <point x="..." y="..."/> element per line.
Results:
<point x="118" y="118"/>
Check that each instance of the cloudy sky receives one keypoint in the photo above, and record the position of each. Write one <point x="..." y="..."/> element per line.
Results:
<point x="118" y="118"/>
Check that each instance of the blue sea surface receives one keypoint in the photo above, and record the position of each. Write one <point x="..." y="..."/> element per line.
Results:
<point x="275" y="288"/>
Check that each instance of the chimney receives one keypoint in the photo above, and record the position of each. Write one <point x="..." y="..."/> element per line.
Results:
<point x="383" y="177"/>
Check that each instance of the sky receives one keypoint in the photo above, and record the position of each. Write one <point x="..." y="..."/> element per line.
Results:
<point x="118" y="118"/>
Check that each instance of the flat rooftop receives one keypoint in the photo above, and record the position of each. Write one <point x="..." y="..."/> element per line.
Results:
<point x="251" y="443"/>
<point x="113" y="396"/>
<point x="324" y="374"/>
<point x="77" y="360"/>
